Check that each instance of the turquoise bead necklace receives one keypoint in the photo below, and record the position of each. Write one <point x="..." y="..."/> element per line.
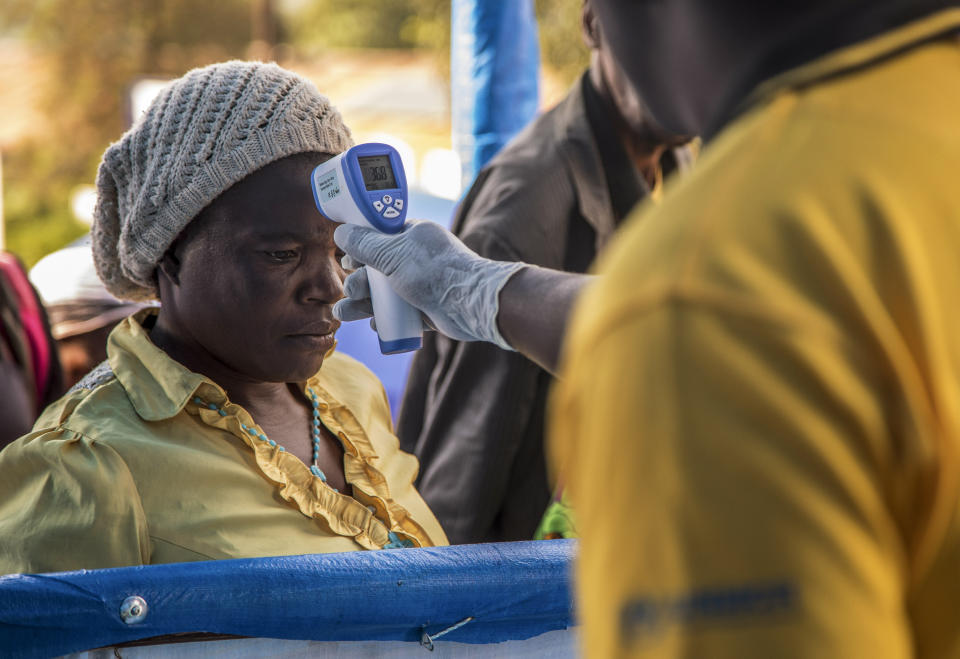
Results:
<point x="395" y="542"/>
<point x="314" y="432"/>
<point x="315" y="436"/>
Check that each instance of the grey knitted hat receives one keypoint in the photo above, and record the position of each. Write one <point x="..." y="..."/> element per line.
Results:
<point x="203" y="133"/>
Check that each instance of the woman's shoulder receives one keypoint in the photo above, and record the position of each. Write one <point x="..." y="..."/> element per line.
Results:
<point x="64" y="407"/>
<point x="95" y="410"/>
<point x="66" y="447"/>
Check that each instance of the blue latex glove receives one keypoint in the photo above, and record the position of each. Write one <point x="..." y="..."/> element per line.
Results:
<point x="457" y="290"/>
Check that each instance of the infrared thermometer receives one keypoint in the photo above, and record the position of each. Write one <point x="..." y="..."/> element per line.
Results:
<point x="365" y="185"/>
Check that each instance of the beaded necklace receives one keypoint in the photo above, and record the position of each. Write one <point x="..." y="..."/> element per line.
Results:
<point x="395" y="542"/>
<point x="314" y="432"/>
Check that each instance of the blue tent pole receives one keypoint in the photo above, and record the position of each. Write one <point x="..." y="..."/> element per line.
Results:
<point x="494" y="77"/>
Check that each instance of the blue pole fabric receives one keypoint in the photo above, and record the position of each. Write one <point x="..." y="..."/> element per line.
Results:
<point x="511" y="591"/>
<point x="494" y="77"/>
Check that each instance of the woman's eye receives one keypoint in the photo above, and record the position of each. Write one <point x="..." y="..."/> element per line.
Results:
<point x="282" y="255"/>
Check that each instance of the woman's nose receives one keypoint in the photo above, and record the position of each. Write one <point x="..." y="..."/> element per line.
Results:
<point x="322" y="282"/>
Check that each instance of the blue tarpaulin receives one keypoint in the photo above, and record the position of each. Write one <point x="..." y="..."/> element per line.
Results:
<point x="494" y="77"/>
<point x="511" y="590"/>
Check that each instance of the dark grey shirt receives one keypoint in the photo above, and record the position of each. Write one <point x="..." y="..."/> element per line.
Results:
<point x="472" y="413"/>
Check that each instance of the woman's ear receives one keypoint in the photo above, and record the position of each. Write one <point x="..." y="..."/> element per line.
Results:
<point x="589" y="26"/>
<point x="169" y="266"/>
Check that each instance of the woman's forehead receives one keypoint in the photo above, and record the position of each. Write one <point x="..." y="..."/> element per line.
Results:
<point x="283" y="180"/>
<point x="273" y="203"/>
<point x="287" y="178"/>
<point x="287" y="220"/>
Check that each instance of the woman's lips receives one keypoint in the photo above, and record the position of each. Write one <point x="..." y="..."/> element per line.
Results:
<point x="314" y="341"/>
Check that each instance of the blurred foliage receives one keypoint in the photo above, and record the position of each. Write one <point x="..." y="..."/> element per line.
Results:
<point x="371" y="24"/>
<point x="321" y="24"/>
<point x="36" y="201"/>
<point x="426" y="24"/>
<point x="94" y="50"/>
<point x="561" y="40"/>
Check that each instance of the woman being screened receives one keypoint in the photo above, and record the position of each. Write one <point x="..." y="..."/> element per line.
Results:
<point x="224" y="424"/>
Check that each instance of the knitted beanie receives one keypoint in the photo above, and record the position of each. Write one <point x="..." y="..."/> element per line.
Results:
<point x="203" y="133"/>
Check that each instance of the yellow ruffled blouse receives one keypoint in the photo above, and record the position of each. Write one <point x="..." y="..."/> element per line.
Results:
<point x="127" y="469"/>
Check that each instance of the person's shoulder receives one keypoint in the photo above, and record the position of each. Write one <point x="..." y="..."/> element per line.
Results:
<point x="514" y="204"/>
<point x="526" y="182"/>
<point x="83" y="419"/>
<point x="790" y="208"/>
<point x="95" y="408"/>
<point x="789" y="167"/>
<point x="531" y="164"/>
<point x="792" y="191"/>
<point x="539" y="143"/>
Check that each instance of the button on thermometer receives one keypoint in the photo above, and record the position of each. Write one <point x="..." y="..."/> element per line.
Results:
<point x="366" y="185"/>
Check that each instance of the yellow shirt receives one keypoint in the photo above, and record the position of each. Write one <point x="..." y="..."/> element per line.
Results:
<point x="127" y="469"/>
<point x="759" y="411"/>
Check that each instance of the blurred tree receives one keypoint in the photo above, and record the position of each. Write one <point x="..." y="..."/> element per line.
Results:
<point x="561" y="42"/>
<point x="94" y="51"/>
<point x="426" y="24"/>
<point x="371" y="24"/>
<point x="323" y="24"/>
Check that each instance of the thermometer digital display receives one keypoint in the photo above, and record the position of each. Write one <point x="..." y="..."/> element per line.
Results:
<point x="377" y="172"/>
<point x="366" y="185"/>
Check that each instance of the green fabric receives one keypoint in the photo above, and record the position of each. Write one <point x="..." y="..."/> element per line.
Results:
<point x="558" y="520"/>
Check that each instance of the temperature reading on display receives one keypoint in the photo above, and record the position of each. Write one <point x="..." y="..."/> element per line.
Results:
<point x="377" y="172"/>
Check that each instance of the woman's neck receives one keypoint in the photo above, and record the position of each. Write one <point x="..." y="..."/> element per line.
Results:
<point x="256" y="396"/>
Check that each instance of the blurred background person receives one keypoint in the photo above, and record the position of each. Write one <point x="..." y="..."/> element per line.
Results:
<point x="30" y="376"/>
<point x="472" y="412"/>
<point x="81" y="311"/>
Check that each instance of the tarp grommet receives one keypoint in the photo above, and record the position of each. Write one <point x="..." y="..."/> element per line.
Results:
<point x="133" y="610"/>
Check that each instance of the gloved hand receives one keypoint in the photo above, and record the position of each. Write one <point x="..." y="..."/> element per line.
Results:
<point x="458" y="290"/>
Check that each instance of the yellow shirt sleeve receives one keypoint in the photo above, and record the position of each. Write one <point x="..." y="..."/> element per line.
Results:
<point x="68" y="503"/>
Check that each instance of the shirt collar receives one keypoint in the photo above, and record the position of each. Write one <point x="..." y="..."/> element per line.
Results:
<point x="578" y="148"/>
<point x="157" y="386"/>
<point x="847" y="40"/>
<point x="624" y="183"/>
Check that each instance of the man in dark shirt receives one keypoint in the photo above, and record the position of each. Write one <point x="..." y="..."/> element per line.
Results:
<point x="474" y="413"/>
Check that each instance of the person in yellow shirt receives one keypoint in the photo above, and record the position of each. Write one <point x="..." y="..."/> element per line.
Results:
<point x="212" y="431"/>
<point x="758" y="413"/>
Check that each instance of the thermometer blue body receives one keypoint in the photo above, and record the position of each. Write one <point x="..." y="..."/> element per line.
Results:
<point x="366" y="185"/>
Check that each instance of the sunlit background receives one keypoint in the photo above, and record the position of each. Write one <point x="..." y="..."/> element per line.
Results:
<point x="74" y="74"/>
